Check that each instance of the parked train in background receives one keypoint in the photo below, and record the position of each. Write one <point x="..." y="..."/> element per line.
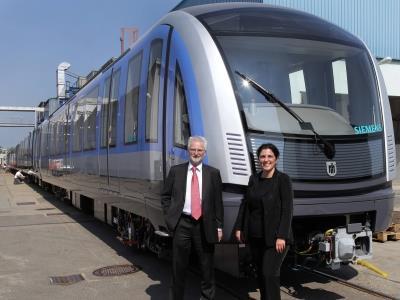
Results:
<point x="109" y="148"/>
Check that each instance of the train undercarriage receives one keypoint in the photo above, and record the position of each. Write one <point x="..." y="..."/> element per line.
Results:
<point x="324" y="240"/>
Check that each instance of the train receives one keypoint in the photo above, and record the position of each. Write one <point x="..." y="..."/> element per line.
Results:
<point x="239" y="74"/>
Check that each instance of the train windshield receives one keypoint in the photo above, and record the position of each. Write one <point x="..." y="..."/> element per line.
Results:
<point x="330" y="85"/>
<point x="327" y="80"/>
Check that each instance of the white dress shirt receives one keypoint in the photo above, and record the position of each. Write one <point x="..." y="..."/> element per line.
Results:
<point x="187" y="210"/>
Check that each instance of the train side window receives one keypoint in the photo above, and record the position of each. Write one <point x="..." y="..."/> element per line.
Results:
<point x="153" y="89"/>
<point x="60" y="134"/>
<point x="104" y="113"/>
<point x="78" y="124"/>
<point x="67" y="123"/>
<point x="132" y="100"/>
<point x="113" y="107"/>
<point x="181" y="116"/>
<point x="89" y="129"/>
<point x="43" y="140"/>
<point x="53" y="136"/>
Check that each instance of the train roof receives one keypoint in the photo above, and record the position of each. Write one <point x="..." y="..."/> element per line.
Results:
<point x="268" y="20"/>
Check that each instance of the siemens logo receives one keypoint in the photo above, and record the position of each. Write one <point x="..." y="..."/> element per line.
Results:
<point x="368" y="128"/>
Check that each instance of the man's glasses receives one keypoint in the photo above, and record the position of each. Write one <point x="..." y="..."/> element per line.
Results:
<point x="191" y="150"/>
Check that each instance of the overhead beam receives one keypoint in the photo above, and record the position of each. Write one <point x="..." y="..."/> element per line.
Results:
<point x="6" y="124"/>
<point x="22" y="108"/>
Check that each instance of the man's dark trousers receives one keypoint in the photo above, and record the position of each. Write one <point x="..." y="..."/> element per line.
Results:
<point x="189" y="233"/>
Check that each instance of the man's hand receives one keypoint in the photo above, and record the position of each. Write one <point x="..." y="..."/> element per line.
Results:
<point x="280" y="245"/>
<point x="238" y="235"/>
<point x="220" y="234"/>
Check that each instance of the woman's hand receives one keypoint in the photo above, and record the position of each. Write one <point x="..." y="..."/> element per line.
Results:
<point x="280" y="245"/>
<point x="238" y="235"/>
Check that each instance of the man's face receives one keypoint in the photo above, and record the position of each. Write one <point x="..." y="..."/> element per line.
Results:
<point x="196" y="152"/>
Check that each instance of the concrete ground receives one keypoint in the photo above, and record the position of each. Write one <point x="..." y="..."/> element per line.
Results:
<point x="42" y="237"/>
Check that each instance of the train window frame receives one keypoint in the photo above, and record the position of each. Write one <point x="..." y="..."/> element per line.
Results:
<point x="178" y="115"/>
<point x="90" y="118"/>
<point x="134" y="64"/>
<point x="153" y="90"/>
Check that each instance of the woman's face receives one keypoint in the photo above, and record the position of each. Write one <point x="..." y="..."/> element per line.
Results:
<point x="267" y="160"/>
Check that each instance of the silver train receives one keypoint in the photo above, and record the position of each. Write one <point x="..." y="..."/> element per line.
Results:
<point x="240" y="75"/>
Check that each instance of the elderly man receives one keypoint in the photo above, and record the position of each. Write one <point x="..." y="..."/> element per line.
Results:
<point x="193" y="210"/>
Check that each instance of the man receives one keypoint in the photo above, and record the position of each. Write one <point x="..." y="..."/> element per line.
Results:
<point x="193" y="210"/>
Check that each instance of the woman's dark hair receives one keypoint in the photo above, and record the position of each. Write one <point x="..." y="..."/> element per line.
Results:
<point x="269" y="146"/>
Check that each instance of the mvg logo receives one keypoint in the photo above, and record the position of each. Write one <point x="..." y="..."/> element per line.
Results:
<point x="331" y="168"/>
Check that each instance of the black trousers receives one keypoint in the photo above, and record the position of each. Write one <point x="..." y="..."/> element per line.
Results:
<point x="268" y="262"/>
<point x="189" y="233"/>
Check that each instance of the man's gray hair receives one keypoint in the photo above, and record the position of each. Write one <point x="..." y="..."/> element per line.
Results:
<point x="198" y="138"/>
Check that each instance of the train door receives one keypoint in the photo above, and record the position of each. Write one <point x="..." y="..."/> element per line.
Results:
<point x="182" y="114"/>
<point x="156" y="67"/>
<point x="108" y="156"/>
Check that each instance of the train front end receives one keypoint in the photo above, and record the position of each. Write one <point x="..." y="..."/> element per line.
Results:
<point x="341" y="154"/>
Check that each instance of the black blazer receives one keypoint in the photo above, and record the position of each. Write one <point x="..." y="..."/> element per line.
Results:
<point x="278" y="209"/>
<point x="173" y="199"/>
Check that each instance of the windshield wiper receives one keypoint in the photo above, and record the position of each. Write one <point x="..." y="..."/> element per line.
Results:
<point x="325" y="146"/>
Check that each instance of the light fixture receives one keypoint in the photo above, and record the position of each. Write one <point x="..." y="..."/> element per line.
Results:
<point x="386" y="60"/>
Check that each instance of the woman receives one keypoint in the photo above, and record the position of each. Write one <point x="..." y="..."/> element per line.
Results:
<point x="264" y="220"/>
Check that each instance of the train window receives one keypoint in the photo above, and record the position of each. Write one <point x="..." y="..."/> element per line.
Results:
<point x="52" y="137"/>
<point x="113" y="108"/>
<point x="153" y="89"/>
<point x="89" y="128"/>
<point x="298" y="87"/>
<point x="67" y="123"/>
<point x="340" y="82"/>
<point x="109" y="111"/>
<point x="181" y="116"/>
<point x="104" y="112"/>
<point x="60" y="135"/>
<point x="132" y="99"/>
<point x="79" y="109"/>
<point x="43" y="141"/>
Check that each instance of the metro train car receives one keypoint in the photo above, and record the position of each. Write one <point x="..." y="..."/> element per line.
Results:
<point x="241" y="75"/>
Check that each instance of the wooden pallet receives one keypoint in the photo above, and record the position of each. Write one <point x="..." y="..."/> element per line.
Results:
<point x="396" y="217"/>
<point x="383" y="236"/>
<point x="394" y="228"/>
<point x="392" y="233"/>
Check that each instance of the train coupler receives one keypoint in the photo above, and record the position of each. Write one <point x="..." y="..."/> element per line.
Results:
<point x="345" y="245"/>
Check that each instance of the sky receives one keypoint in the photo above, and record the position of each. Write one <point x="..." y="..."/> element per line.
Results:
<point x="36" y="36"/>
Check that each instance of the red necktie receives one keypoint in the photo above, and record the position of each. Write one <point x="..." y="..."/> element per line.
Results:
<point x="195" y="195"/>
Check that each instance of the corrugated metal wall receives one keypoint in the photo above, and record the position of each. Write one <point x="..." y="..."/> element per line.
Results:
<point x="376" y="22"/>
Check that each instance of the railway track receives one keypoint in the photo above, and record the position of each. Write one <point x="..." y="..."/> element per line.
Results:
<point x="365" y="290"/>
<point x="292" y="294"/>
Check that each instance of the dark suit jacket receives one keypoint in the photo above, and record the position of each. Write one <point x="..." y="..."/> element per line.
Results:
<point x="277" y="206"/>
<point x="173" y="199"/>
